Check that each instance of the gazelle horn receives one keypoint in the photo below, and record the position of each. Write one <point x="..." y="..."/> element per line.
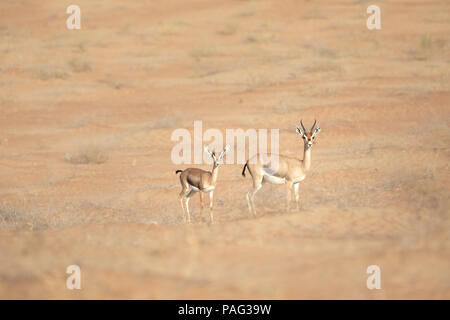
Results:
<point x="312" y="128"/>
<point x="303" y="127"/>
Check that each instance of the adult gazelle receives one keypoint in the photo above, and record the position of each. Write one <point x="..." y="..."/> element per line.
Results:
<point x="286" y="170"/>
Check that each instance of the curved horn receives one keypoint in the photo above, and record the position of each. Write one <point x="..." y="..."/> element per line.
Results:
<point x="303" y="127"/>
<point x="314" y="124"/>
<point x="312" y="128"/>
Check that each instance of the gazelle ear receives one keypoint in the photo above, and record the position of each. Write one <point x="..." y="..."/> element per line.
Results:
<point x="316" y="131"/>
<point x="225" y="150"/>
<point x="300" y="132"/>
<point x="207" y="150"/>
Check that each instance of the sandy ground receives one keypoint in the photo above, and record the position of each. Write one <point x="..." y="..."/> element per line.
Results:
<point x="86" y="175"/>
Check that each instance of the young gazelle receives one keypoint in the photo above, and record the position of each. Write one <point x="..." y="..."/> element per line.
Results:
<point x="197" y="180"/>
<point x="288" y="170"/>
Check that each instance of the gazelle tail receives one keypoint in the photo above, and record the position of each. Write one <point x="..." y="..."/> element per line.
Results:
<point x="243" y="170"/>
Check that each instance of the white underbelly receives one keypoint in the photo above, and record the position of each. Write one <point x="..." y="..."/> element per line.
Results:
<point x="193" y="188"/>
<point x="277" y="180"/>
<point x="274" y="180"/>
<point x="208" y="189"/>
<point x="297" y="180"/>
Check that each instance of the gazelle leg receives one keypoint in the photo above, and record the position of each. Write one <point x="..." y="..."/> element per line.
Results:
<point x="201" y="205"/>
<point x="211" y="203"/>
<point x="250" y="195"/>
<point x="182" y="198"/>
<point x="297" y="196"/>
<point x="186" y="204"/>
<point x="289" y="186"/>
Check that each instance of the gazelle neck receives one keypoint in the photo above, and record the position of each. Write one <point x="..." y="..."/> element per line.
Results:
<point x="214" y="174"/>
<point x="307" y="159"/>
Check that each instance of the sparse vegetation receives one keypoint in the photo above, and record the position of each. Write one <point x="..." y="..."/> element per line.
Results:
<point x="255" y="81"/>
<point x="323" y="66"/>
<point x="112" y="83"/>
<point x="10" y="216"/>
<point x="80" y="47"/>
<point x="6" y="99"/>
<point x="228" y="30"/>
<point x="88" y="154"/>
<point x="200" y="53"/>
<point x="427" y="47"/>
<point x="425" y="42"/>
<point x="78" y="65"/>
<point x="68" y="215"/>
<point x="171" y="28"/>
<point x="246" y="13"/>
<point x="327" y="52"/>
<point x="48" y="75"/>
<point x="251" y="39"/>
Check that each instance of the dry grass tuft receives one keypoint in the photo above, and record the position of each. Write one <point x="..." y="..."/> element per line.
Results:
<point x="6" y="100"/>
<point x="110" y="81"/>
<point x="228" y="30"/>
<point x="48" y="75"/>
<point x="427" y="47"/>
<point x="255" y="81"/>
<point x="89" y="154"/>
<point x="10" y="216"/>
<point x="323" y="67"/>
<point x="78" y="65"/>
<point x="200" y="53"/>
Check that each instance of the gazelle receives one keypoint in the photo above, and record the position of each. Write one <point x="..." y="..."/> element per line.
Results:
<point x="287" y="170"/>
<point x="197" y="180"/>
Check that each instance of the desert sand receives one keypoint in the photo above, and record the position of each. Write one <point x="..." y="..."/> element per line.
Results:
<point x="86" y="118"/>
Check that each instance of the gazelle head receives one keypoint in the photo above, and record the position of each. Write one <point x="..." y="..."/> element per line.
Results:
<point x="216" y="158"/>
<point x="308" y="137"/>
